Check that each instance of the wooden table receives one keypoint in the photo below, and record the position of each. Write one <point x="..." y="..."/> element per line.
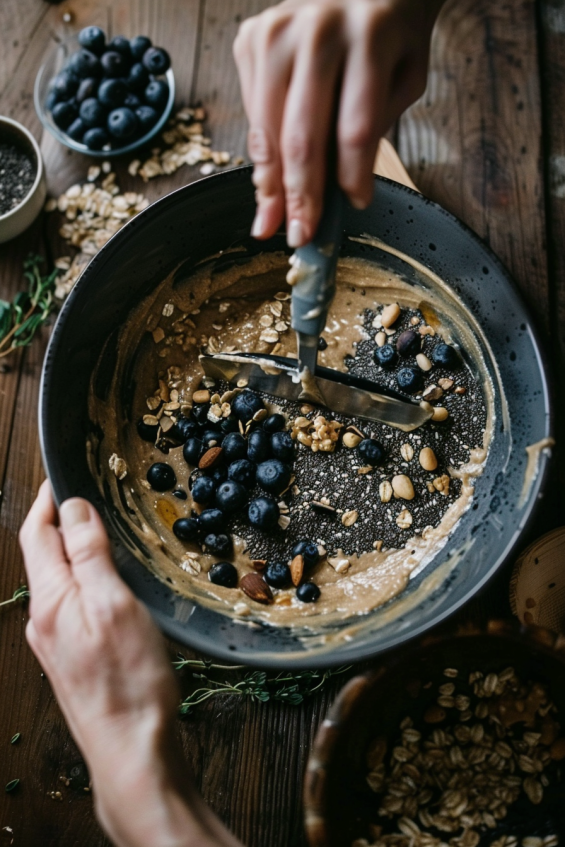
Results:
<point x="487" y="140"/>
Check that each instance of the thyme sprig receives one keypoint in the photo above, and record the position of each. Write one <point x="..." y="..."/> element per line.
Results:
<point x="29" y="310"/>
<point x="19" y="594"/>
<point x="287" y="686"/>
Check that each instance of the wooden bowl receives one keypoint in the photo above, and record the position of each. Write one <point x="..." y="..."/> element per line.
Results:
<point x="339" y="806"/>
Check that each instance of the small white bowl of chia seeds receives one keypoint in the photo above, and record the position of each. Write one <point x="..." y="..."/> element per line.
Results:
<point x="23" y="186"/>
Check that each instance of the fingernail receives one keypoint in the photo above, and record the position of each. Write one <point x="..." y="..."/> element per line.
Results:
<point x="358" y="202"/>
<point x="74" y="512"/>
<point x="258" y="225"/>
<point x="295" y="233"/>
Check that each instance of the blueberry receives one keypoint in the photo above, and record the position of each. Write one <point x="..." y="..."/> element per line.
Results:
<point x="161" y="477"/>
<point x="186" y="529"/>
<point x="132" y="101"/>
<point x="282" y="446"/>
<point x="242" y="471"/>
<point x="76" y="130"/>
<point x="192" y="450"/>
<point x="139" y="45"/>
<point x="231" y="496"/>
<point x="138" y="78"/>
<point x="235" y="446"/>
<point x="218" y="543"/>
<point x="409" y="343"/>
<point x="147" y="432"/>
<point x="211" y="438"/>
<point x="92" y="113"/>
<point x="87" y="88"/>
<point x="147" y="117"/>
<point x="92" y="38"/>
<point x="96" y="138"/>
<point x="211" y="520"/>
<point x="65" y="85"/>
<point x="64" y="114"/>
<point x="203" y="490"/>
<point x="309" y="552"/>
<point x="371" y="451"/>
<point x="218" y="474"/>
<point x="223" y="573"/>
<point x="308" y="592"/>
<point x="184" y="429"/>
<point x="199" y="412"/>
<point x="121" y="45"/>
<point x="386" y="356"/>
<point x="273" y="476"/>
<point x="114" y="64"/>
<point x="263" y="513"/>
<point x="156" y="94"/>
<point x="322" y="343"/>
<point x="51" y="99"/>
<point x="112" y="93"/>
<point x="278" y="575"/>
<point x="446" y="356"/>
<point x="229" y="424"/>
<point x="122" y="123"/>
<point x="274" y="423"/>
<point x="85" y="64"/>
<point x="156" y="60"/>
<point x="180" y="494"/>
<point x="410" y="379"/>
<point x="258" y="446"/>
<point x="245" y="405"/>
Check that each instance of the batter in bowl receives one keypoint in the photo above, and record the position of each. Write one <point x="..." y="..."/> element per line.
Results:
<point x="358" y="507"/>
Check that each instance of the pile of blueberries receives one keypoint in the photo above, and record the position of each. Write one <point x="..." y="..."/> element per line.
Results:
<point x="109" y="94"/>
<point x="408" y="345"/>
<point x="263" y="458"/>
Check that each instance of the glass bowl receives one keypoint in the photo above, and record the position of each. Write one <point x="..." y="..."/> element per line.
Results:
<point x="53" y="64"/>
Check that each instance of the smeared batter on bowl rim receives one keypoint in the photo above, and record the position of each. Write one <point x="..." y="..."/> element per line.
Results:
<point x="230" y="309"/>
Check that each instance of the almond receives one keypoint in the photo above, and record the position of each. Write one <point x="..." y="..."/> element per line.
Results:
<point x="210" y="458"/>
<point x="259" y="564"/>
<point x="256" y="588"/>
<point x="297" y="569"/>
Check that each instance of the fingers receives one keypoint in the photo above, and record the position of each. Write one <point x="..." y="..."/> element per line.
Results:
<point x="86" y="544"/>
<point x="308" y="120"/>
<point x="45" y="561"/>
<point x="264" y="58"/>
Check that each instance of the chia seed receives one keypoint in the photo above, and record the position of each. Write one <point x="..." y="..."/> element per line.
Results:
<point x="17" y="175"/>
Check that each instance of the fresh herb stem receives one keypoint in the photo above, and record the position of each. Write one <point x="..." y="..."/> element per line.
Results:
<point x="21" y="319"/>
<point x="286" y="686"/>
<point x="19" y="594"/>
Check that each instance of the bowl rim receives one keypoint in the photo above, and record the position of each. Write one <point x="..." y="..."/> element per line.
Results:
<point x="77" y="146"/>
<point x="39" y="171"/>
<point x="313" y="659"/>
<point x="355" y="689"/>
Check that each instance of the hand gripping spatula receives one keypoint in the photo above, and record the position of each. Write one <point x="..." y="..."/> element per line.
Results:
<point x="314" y="269"/>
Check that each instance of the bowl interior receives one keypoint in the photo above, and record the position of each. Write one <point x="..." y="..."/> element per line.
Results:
<point x="374" y="707"/>
<point x="12" y="134"/>
<point x="207" y="218"/>
<point x="53" y="64"/>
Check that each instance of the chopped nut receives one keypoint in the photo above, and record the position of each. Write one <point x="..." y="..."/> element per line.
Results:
<point x="428" y="459"/>
<point x="390" y="314"/>
<point x="380" y="338"/>
<point x="423" y="362"/>
<point x="404" y="519"/>
<point x="402" y="487"/>
<point x="201" y="396"/>
<point x="351" y="440"/>
<point x="441" y="484"/>
<point x="407" y="452"/>
<point x="297" y="569"/>
<point x="440" y="414"/>
<point x="460" y="390"/>
<point x="339" y="563"/>
<point x="445" y="383"/>
<point x="432" y="392"/>
<point x="349" y="518"/>
<point x="158" y="334"/>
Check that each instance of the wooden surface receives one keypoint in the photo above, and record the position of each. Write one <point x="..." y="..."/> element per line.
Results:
<point x="487" y="140"/>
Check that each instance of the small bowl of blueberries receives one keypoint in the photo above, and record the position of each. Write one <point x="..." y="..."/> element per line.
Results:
<point x="105" y="97"/>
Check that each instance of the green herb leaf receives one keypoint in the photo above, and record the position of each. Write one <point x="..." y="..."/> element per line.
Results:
<point x="20" y="320"/>
<point x="15" y="738"/>
<point x="13" y="784"/>
<point x="20" y="593"/>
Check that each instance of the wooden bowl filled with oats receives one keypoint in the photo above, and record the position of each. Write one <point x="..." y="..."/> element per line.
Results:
<point x="457" y="742"/>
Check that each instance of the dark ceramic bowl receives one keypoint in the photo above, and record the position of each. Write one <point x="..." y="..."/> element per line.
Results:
<point x="214" y="214"/>
<point x="340" y="807"/>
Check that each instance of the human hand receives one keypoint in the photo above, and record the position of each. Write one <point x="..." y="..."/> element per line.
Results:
<point x="106" y="662"/>
<point x="300" y="61"/>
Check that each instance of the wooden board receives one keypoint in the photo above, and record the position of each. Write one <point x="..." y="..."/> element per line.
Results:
<point x="472" y="143"/>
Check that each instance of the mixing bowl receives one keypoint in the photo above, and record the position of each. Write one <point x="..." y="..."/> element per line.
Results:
<point x="339" y="805"/>
<point x="208" y="217"/>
